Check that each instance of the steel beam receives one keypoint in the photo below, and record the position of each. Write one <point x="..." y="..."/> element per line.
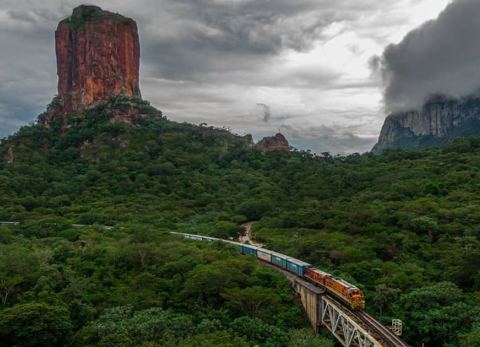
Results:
<point x="348" y="332"/>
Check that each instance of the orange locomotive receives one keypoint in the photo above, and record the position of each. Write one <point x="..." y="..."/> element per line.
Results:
<point x="345" y="291"/>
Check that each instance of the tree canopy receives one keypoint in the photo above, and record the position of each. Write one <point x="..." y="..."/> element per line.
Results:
<point x="93" y="257"/>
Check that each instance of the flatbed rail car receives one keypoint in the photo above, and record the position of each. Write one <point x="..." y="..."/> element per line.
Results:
<point x="349" y="294"/>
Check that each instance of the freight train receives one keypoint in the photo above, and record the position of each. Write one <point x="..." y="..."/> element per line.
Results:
<point x="346" y="292"/>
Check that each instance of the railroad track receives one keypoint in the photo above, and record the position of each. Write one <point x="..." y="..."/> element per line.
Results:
<point x="385" y="334"/>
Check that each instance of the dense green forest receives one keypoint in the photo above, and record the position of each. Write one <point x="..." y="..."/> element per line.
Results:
<point x="403" y="226"/>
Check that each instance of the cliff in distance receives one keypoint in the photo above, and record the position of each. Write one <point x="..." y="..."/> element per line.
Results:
<point x="438" y="122"/>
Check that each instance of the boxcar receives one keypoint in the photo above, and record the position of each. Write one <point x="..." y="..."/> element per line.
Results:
<point x="264" y="255"/>
<point x="279" y="260"/>
<point x="206" y="238"/>
<point x="193" y="237"/>
<point x="249" y="250"/>
<point x="296" y="266"/>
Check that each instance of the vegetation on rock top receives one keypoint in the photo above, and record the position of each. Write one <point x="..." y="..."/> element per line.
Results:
<point x="84" y="14"/>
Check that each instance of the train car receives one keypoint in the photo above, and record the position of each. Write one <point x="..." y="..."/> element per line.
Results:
<point x="296" y="266"/>
<point x="316" y="275"/>
<point x="246" y="249"/>
<point x="193" y="237"/>
<point x="279" y="260"/>
<point x="209" y="239"/>
<point x="290" y="264"/>
<point x="264" y="255"/>
<point x="343" y="290"/>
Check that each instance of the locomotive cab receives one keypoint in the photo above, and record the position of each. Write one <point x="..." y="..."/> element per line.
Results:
<point x="357" y="299"/>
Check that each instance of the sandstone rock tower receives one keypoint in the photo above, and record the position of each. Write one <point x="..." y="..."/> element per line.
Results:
<point x="98" y="56"/>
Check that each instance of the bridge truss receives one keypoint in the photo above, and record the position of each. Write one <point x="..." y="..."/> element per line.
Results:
<point x="343" y="327"/>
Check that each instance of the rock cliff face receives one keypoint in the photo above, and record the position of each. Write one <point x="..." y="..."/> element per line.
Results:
<point x="439" y="121"/>
<point x="277" y="143"/>
<point x="98" y="56"/>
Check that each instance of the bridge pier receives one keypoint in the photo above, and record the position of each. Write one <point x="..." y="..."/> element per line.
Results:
<point x="311" y="298"/>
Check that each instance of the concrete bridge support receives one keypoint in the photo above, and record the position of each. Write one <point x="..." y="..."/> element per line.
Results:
<point x="311" y="298"/>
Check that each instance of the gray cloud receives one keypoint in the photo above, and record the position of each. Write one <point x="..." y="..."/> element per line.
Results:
<point x="209" y="40"/>
<point x="27" y="73"/>
<point x="440" y="57"/>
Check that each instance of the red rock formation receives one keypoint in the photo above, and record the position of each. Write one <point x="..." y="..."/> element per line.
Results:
<point x="98" y="56"/>
<point x="277" y="143"/>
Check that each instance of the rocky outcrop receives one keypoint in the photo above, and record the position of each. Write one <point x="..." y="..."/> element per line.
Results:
<point x="277" y="143"/>
<point x="9" y="157"/>
<point x="98" y="61"/>
<point x="98" y="57"/>
<point x="438" y="122"/>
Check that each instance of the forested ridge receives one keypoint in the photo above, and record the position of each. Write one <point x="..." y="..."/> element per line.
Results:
<point x="403" y="226"/>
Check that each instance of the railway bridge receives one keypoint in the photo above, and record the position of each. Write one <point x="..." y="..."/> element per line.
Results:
<point x="350" y="328"/>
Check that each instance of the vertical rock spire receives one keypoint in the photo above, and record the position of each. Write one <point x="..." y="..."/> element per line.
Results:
<point x="98" y="56"/>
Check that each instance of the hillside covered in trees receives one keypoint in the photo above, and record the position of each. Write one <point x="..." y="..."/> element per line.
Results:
<point x="403" y="226"/>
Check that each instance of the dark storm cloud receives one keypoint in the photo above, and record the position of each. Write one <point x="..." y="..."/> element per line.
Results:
<point x="440" y="57"/>
<point x="209" y="37"/>
<point x="231" y="40"/>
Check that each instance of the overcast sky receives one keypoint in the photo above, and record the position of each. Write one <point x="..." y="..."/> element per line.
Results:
<point x="303" y="67"/>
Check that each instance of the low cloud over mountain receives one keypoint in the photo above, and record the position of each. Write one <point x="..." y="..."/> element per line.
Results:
<point x="440" y="57"/>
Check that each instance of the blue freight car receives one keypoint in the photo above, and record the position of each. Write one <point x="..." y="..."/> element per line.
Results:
<point x="297" y="266"/>
<point x="249" y="250"/>
<point x="279" y="260"/>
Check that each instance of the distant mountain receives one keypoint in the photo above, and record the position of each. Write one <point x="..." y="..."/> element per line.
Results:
<point x="438" y="122"/>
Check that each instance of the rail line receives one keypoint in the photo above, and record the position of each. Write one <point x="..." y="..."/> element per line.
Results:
<point x="384" y="333"/>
